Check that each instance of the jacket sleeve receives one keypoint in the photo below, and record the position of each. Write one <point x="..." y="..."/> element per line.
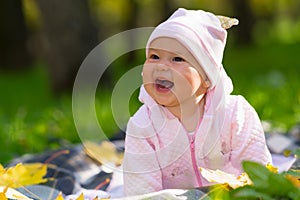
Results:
<point x="247" y="138"/>
<point x="141" y="173"/>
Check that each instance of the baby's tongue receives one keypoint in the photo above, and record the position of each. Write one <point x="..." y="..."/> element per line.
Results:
<point x="164" y="84"/>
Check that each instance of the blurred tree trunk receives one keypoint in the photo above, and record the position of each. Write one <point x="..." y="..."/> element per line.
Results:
<point x="242" y="11"/>
<point x="13" y="36"/>
<point x="131" y="23"/>
<point x="70" y="35"/>
<point x="168" y="8"/>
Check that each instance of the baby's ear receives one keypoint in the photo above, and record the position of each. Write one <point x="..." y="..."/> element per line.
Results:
<point x="206" y="84"/>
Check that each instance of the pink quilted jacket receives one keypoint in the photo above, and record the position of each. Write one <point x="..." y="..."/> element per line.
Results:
<point x="160" y="154"/>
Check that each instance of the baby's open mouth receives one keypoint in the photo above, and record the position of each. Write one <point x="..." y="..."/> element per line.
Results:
<point x="163" y="84"/>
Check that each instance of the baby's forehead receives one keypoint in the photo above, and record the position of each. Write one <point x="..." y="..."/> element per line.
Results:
<point x="169" y="44"/>
<point x="172" y="45"/>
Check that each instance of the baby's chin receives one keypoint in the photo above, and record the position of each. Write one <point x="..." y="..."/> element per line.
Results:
<point x="162" y="99"/>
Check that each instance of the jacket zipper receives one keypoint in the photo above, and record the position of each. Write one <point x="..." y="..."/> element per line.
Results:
<point x="194" y="162"/>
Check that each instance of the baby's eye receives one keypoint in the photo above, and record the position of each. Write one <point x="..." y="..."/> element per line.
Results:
<point x="153" y="56"/>
<point x="178" y="59"/>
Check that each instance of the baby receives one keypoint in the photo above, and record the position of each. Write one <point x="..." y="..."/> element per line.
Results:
<point x="188" y="118"/>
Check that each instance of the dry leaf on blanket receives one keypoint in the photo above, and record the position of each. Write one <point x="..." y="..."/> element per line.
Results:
<point x="105" y="152"/>
<point x="220" y="177"/>
<point x="272" y="168"/>
<point x="9" y="193"/>
<point x="23" y="174"/>
<point x="60" y="197"/>
<point x="81" y="197"/>
<point x="293" y="179"/>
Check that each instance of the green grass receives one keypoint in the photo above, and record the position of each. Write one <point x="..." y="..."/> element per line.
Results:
<point x="32" y="120"/>
<point x="268" y="77"/>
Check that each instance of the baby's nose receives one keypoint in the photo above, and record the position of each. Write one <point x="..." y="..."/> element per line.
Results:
<point x="162" y="67"/>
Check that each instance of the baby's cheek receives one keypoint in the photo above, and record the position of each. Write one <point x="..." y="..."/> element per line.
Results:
<point x="195" y="76"/>
<point x="147" y="88"/>
<point x="147" y="76"/>
<point x="195" y="81"/>
<point x="189" y="82"/>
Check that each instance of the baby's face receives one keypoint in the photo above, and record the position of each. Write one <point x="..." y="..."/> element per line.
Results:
<point x="171" y="74"/>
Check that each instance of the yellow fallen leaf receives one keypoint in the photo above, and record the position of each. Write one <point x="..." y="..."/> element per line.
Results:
<point x="23" y="174"/>
<point x="2" y="196"/>
<point x="81" y="197"/>
<point x="287" y="153"/>
<point x="9" y="193"/>
<point x="59" y="197"/>
<point x="105" y="152"/>
<point x="244" y="178"/>
<point x="271" y="168"/>
<point x="293" y="179"/>
<point x="220" y="177"/>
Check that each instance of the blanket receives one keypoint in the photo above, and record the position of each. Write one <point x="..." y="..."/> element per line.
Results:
<point x="78" y="173"/>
